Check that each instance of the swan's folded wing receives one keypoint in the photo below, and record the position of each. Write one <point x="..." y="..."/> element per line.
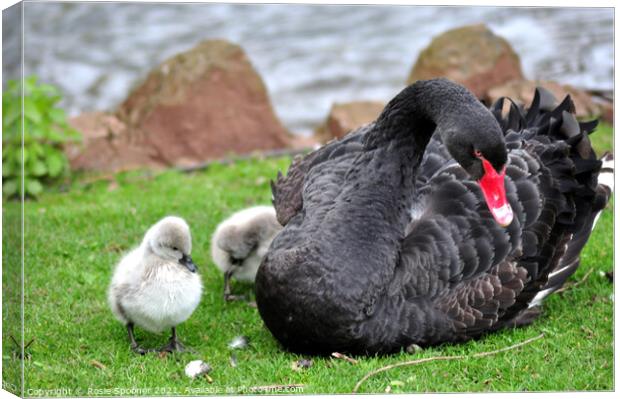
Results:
<point x="287" y="190"/>
<point x="459" y="259"/>
<point x="475" y="306"/>
<point x="453" y="236"/>
<point x="456" y="255"/>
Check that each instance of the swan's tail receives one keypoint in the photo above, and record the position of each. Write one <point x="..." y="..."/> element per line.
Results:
<point x="583" y="186"/>
<point x="569" y="262"/>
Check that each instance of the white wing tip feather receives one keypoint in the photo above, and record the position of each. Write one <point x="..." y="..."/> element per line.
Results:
<point x="606" y="176"/>
<point x="538" y="299"/>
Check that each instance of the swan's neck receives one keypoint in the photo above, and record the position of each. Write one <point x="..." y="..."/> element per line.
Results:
<point x="416" y="113"/>
<point x="365" y="226"/>
<point x="374" y="207"/>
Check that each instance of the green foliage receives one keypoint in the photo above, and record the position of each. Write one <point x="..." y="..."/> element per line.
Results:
<point x="45" y="131"/>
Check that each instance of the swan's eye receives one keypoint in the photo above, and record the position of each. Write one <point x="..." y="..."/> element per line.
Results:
<point x="175" y="248"/>
<point x="477" y="154"/>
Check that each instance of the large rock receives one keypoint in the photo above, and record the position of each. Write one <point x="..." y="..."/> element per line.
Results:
<point x="106" y="145"/>
<point x="472" y="56"/>
<point x="199" y="105"/>
<point x="344" y="117"/>
<point x="522" y="92"/>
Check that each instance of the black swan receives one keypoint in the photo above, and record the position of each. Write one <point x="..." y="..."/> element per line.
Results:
<point x="388" y="241"/>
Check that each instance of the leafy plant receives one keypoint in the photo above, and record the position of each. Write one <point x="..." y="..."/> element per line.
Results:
<point x="45" y="131"/>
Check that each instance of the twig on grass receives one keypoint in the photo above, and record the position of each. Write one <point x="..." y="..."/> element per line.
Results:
<point x="15" y="342"/>
<point x="18" y="351"/>
<point x="98" y="364"/>
<point x="569" y="286"/>
<point x="430" y="359"/>
<point x="342" y="356"/>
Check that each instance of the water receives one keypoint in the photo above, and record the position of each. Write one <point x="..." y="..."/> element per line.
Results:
<point x="308" y="56"/>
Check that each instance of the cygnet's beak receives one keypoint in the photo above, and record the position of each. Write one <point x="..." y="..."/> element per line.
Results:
<point x="187" y="261"/>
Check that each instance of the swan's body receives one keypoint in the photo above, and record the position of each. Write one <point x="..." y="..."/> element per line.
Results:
<point x="388" y="241"/>
<point x="155" y="286"/>
<point x="240" y="242"/>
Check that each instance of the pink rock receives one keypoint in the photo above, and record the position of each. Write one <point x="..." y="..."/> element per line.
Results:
<point x="472" y="56"/>
<point x="203" y="104"/>
<point x="345" y="117"/>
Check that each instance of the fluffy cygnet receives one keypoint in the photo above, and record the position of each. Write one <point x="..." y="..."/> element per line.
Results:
<point x="240" y="243"/>
<point x="155" y="286"/>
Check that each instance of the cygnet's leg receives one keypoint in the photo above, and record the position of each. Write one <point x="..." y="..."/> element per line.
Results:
<point x="134" y="345"/>
<point x="227" y="294"/>
<point x="173" y="345"/>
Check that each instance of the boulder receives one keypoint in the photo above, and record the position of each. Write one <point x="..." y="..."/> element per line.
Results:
<point x="472" y="56"/>
<point x="522" y="92"/>
<point x="94" y="125"/>
<point x="105" y="145"/>
<point x="344" y="117"/>
<point x="199" y="105"/>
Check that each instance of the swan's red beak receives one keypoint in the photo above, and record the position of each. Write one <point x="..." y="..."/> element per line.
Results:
<point x="492" y="185"/>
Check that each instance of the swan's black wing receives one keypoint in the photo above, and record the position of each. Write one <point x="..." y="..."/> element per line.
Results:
<point x="479" y="275"/>
<point x="457" y="257"/>
<point x="287" y="190"/>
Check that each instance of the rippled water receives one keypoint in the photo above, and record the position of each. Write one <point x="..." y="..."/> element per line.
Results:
<point x="309" y="56"/>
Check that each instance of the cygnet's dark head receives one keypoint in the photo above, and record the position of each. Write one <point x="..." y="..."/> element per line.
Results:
<point x="170" y="239"/>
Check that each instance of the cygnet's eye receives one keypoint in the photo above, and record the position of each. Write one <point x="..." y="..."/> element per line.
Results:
<point x="175" y="248"/>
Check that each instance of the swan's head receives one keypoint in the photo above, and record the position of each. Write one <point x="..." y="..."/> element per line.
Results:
<point x="476" y="142"/>
<point x="170" y="239"/>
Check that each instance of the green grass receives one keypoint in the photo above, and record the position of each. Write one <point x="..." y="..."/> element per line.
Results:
<point x="73" y="240"/>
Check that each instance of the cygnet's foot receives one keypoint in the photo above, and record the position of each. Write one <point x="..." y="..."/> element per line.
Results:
<point x="228" y="296"/>
<point x="133" y="344"/>
<point x="140" y="350"/>
<point x="174" y="346"/>
<point x="232" y="297"/>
